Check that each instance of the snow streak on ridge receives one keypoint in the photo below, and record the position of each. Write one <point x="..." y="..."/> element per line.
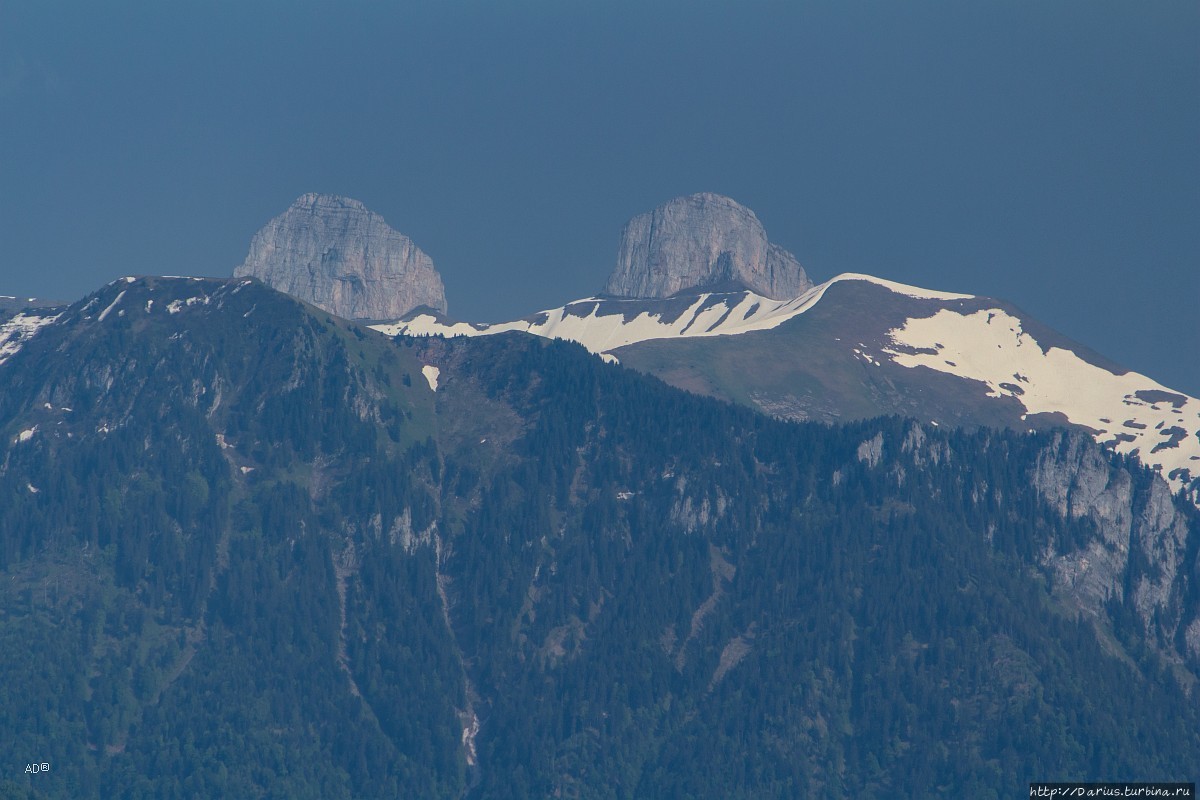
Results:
<point x="603" y="325"/>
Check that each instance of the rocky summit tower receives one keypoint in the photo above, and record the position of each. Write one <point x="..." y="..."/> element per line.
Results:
<point x="336" y="254"/>
<point x="704" y="241"/>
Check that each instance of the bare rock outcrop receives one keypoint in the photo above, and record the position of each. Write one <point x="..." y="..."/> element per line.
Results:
<point x="336" y="254"/>
<point x="1140" y="549"/>
<point x="702" y="241"/>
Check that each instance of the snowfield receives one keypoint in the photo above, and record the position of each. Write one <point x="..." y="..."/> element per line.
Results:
<point x="1129" y="413"/>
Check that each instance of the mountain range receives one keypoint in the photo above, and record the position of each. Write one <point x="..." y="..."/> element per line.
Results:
<point x="856" y="347"/>
<point x="890" y="542"/>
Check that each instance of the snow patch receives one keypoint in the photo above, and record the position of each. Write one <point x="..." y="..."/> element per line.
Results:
<point x="899" y="288"/>
<point x="175" y="306"/>
<point x="991" y="346"/>
<point x="18" y="330"/>
<point x="431" y="374"/>
<point x="26" y="435"/>
<point x="111" y="306"/>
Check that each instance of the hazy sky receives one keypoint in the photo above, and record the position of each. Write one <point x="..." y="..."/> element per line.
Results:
<point x="1043" y="151"/>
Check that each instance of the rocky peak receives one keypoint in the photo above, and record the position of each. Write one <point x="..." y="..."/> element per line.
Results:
<point x="702" y="241"/>
<point x="336" y="254"/>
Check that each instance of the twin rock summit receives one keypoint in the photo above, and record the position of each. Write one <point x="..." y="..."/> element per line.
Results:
<point x="338" y="255"/>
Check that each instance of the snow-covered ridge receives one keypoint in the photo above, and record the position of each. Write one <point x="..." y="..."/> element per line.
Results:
<point x="1128" y="413"/>
<point x="602" y="324"/>
<point x="19" y="330"/>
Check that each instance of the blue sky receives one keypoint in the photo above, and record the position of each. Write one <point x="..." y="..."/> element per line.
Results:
<point x="1047" y="153"/>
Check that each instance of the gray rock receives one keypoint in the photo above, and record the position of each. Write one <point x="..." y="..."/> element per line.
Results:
<point x="871" y="450"/>
<point x="702" y="240"/>
<point x="1075" y="478"/>
<point x="1140" y="543"/>
<point x="334" y="253"/>
<point x="1161" y="534"/>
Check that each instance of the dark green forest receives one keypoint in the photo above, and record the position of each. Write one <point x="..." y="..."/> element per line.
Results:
<point x="247" y="552"/>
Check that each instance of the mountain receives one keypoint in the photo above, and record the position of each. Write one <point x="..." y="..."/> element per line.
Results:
<point x="857" y="347"/>
<point x="252" y="549"/>
<point x="853" y="347"/>
<point x="700" y="241"/>
<point x="10" y="304"/>
<point x="334" y="253"/>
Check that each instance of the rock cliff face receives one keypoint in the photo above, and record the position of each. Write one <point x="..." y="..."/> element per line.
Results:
<point x="1141" y="547"/>
<point x="702" y="240"/>
<point x="334" y="253"/>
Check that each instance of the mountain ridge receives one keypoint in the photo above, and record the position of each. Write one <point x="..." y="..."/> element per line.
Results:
<point x="929" y="333"/>
<point x="247" y="548"/>
<point x="1016" y="373"/>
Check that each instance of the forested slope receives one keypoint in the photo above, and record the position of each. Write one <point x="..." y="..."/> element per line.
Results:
<point x="248" y="551"/>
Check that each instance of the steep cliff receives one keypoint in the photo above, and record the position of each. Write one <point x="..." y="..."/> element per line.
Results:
<point x="702" y="240"/>
<point x="336" y="254"/>
<point x="1139" y="554"/>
